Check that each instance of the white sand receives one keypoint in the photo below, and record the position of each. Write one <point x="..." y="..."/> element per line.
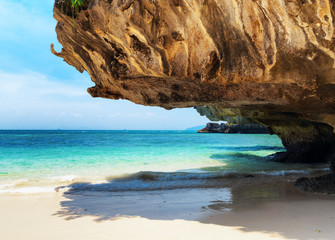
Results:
<point x="177" y="214"/>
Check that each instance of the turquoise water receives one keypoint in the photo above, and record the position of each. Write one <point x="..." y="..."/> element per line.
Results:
<point x="42" y="160"/>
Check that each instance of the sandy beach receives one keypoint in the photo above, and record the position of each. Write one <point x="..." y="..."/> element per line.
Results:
<point x="245" y="212"/>
<point x="176" y="120"/>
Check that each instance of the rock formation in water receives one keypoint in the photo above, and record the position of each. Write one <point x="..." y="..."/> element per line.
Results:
<point x="253" y="128"/>
<point x="242" y="61"/>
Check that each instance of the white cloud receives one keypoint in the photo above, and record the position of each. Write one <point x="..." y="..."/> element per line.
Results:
<point x="34" y="85"/>
<point x="18" y="20"/>
<point x="35" y="101"/>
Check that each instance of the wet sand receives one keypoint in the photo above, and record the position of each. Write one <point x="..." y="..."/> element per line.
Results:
<point x="262" y="211"/>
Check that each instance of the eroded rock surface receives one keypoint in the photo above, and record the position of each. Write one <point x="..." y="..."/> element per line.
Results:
<point x="253" y="128"/>
<point x="250" y="61"/>
<point x="321" y="184"/>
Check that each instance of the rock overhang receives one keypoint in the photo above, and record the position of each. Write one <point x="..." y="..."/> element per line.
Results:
<point x="270" y="62"/>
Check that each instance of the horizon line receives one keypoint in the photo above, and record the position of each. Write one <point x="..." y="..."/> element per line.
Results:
<point x="98" y="129"/>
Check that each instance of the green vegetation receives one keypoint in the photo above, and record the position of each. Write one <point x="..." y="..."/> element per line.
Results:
<point x="76" y="4"/>
<point x="71" y="7"/>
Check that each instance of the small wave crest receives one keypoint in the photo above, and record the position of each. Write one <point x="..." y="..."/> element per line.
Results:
<point x="35" y="185"/>
<point x="23" y="186"/>
<point x="149" y="181"/>
<point x="285" y="172"/>
<point x="174" y="176"/>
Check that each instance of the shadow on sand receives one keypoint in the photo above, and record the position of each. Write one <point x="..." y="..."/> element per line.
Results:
<point x="254" y="205"/>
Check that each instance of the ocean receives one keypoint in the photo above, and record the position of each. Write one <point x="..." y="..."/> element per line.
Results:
<point x="46" y="161"/>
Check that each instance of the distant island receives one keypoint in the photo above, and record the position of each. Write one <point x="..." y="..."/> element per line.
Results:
<point x="234" y="128"/>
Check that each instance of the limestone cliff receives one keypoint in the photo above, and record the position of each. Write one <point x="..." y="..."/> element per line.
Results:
<point x="263" y="61"/>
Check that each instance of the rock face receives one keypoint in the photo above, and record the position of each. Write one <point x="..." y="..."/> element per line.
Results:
<point x="245" y="61"/>
<point x="305" y="141"/>
<point x="322" y="184"/>
<point x="234" y="128"/>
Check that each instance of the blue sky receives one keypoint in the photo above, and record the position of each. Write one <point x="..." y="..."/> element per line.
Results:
<point x="40" y="91"/>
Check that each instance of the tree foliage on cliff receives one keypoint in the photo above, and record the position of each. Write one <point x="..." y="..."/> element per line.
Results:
<point x="71" y="7"/>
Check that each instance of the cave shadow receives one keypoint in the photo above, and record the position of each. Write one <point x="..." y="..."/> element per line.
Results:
<point x="243" y="154"/>
<point x="250" y="148"/>
<point x="253" y="164"/>
<point x="240" y="206"/>
<point x="246" y="162"/>
<point x="239" y="156"/>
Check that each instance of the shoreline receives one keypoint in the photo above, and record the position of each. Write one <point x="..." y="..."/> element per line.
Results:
<point x="152" y="181"/>
<point x="273" y="210"/>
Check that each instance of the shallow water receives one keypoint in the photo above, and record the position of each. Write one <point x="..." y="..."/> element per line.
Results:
<point x="35" y="161"/>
